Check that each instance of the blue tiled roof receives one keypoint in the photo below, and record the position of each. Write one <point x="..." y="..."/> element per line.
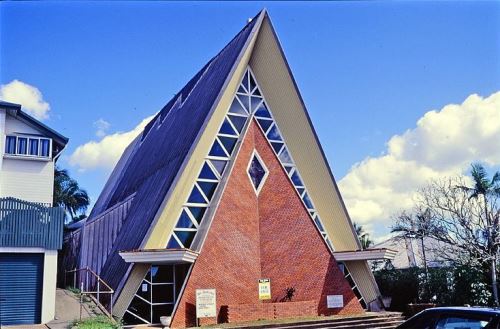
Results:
<point x="150" y="164"/>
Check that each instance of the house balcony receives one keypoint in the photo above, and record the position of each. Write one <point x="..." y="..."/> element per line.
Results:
<point x="30" y="225"/>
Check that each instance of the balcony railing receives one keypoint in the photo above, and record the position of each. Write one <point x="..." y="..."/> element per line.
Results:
<point x="28" y="224"/>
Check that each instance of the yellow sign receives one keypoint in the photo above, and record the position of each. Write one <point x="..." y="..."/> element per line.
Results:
<point x="264" y="289"/>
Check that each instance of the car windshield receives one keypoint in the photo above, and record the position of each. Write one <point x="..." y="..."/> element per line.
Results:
<point x="463" y="322"/>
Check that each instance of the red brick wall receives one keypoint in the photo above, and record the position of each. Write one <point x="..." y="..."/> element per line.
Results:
<point x="271" y="236"/>
<point x="257" y="311"/>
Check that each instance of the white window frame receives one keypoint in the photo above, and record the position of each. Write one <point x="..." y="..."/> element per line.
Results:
<point x="16" y="154"/>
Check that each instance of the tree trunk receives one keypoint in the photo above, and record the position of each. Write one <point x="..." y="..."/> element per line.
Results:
<point x="494" y="280"/>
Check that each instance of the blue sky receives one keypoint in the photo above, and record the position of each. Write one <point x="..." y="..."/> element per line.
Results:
<point x="368" y="71"/>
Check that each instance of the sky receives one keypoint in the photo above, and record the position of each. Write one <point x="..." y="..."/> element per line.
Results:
<point x="399" y="92"/>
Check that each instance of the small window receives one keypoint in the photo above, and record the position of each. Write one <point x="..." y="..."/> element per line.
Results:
<point x="10" y="145"/>
<point x="33" y="146"/>
<point x="257" y="172"/>
<point x="22" y="145"/>
<point x="45" y="147"/>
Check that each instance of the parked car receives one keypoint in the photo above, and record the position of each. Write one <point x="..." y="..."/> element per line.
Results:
<point x="454" y="318"/>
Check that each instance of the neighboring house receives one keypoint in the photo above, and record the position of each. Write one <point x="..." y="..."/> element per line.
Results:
<point x="410" y="252"/>
<point x="30" y="228"/>
<point x="228" y="184"/>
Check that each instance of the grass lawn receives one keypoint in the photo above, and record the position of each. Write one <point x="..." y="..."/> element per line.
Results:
<point x="98" y="322"/>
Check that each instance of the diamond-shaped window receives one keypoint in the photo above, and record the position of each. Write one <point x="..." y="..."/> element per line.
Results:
<point x="257" y="172"/>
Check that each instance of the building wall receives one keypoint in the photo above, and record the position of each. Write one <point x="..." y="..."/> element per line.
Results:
<point x="2" y="143"/>
<point x="269" y="236"/>
<point x="49" y="278"/>
<point x="26" y="179"/>
<point x="29" y="180"/>
<point x="272" y="74"/>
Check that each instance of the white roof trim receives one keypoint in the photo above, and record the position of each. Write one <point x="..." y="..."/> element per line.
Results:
<point x="163" y="256"/>
<point x="368" y="254"/>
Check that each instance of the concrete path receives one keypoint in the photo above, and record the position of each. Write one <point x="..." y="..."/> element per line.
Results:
<point x="68" y="309"/>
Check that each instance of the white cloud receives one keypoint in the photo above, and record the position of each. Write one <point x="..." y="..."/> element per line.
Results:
<point x="101" y="127"/>
<point x="105" y="153"/>
<point x="443" y="143"/>
<point x="28" y="96"/>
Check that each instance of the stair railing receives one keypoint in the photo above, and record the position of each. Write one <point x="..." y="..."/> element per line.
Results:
<point x="90" y="284"/>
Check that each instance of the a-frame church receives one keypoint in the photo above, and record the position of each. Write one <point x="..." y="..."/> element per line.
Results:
<point x="226" y="186"/>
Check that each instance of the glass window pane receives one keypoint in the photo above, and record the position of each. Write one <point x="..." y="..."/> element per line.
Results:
<point x="262" y="111"/>
<point x="181" y="272"/>
<point x="227" y="129"/>
<point x="161" y="310"/>
<point x="196" y="196"/>
<point x="318" y="223"/>
<point x="162" y="274"/>
<point x="163" y="293"/>
<point x="285" y="156"/>
<point x="236" y="107"/>
<point x="207" y="173"/>
<point x="197" y="213"/>
<point x="228" y="143"/>
<point x="296" y="179"/>
<point x="22" y="145"/>
<point x="256" y="172"/>
<point x="45" y="147"/>
<point x="217" y="150"/>
<point x="252" y="83"/>
<point x="463" y="322"/>
<point x="245" y="100"/>
<point x="238" y="122"/>
<point x="173" y="244"/>
<point x="274" y="134"/>
<point x="307" y="201"/>
<point x="242" y="89"/>
<point x="265" y="124"/>
<point x="141" y="308"/>
<point x="208" y="188"/>
<point x="219" y="165"/>
<point x="10" y="145"/>
<point x="245" y="80"/>
<point x="277" y="146"/>
<point x="254" y="102"/>
<point x="257" y="92"/>
<point x="301" y="190"/>
<point x="130" y="319"/>
<point x="33" y="147"/>
<point x="144" y="291"/>
<point x="185" y="237"/>
<point x="184" y="221"/>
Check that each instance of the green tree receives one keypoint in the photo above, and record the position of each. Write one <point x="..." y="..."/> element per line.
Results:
<point x="363" y="236"/>
<point x="69" y="196"/>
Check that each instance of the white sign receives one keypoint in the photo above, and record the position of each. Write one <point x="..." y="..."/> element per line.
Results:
<point x="335" y="301"/>
<point x="205" y="303"/>
<point x="264" y="289"/>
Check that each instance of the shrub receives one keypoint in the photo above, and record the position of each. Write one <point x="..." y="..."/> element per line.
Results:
<point x="97" y="322"/>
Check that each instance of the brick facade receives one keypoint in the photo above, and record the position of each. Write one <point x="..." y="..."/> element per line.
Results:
<point x="256" y="311"/>
<point x="269" y="236"/>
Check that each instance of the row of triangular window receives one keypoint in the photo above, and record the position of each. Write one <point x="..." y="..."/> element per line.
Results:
<point x="213" y="167"/>
<point x="275" y="138"/>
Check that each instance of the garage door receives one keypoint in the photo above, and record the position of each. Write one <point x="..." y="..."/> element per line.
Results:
<point x="21" y="282"/>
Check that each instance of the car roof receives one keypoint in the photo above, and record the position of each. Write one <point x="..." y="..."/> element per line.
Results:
<point x="464" y="309"/>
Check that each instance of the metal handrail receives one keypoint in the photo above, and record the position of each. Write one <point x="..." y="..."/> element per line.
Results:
<point x="87" y="287"/>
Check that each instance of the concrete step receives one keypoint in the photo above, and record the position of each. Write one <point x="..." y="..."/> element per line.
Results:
<point x="384" y="320"/>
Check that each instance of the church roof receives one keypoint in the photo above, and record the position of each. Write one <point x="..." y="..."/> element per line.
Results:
<point x="148" y="167"/>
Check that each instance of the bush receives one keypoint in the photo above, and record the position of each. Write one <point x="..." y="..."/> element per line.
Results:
<point x="446" y="286"/>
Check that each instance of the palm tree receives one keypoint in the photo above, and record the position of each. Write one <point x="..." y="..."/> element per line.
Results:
<point x="363" y="236"/>
<point x="482" y="190"/>
<point x="69" y="196"/>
